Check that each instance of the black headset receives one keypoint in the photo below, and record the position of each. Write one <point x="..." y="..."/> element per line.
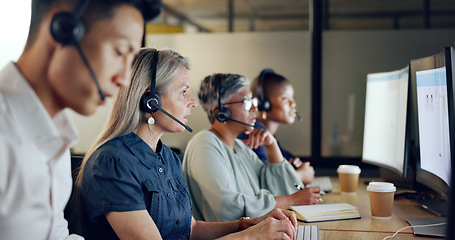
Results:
<point x="264" y="103"/>
<point x="222" y="114"/>
<point x="151" y="101"/>
<point x="67" y="28"/>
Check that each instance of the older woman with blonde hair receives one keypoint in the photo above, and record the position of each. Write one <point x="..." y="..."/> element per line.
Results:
<point x="131" y="185"/>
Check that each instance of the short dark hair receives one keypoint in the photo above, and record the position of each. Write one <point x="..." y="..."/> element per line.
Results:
<point x="96" y="10"/>
<point x="269" y="81"/>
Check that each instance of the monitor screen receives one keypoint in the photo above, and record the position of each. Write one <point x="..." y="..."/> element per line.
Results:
<point x="451" y="92"/>
<point x="430" y="78"/>
<point x="384" y="136"/>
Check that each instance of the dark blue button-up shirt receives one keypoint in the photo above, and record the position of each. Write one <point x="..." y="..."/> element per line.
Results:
<point x="125" y="174"/>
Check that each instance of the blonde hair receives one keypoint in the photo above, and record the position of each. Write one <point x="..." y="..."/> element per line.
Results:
<point x="126" y="115"/>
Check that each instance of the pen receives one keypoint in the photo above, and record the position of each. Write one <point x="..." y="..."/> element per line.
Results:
<point x="298" y="186"/>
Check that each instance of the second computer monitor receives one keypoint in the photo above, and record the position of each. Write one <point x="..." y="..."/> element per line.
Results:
<point x="385" y="134"/>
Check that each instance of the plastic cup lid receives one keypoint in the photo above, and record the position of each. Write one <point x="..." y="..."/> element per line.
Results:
<point x="350" y="169"/>
<point x="381" y="187"/>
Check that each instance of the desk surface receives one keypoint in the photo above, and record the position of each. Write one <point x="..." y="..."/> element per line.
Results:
<point x="367" y="227"/>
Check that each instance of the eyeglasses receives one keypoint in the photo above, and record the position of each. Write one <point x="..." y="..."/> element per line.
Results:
<point x="247" y="103"/>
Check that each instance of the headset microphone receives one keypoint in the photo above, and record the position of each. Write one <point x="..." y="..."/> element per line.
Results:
<point x="299" y="118"/>
<point x="155" y="105"/>
<point x="90" y="69"/>
<point x="230" y="119"/>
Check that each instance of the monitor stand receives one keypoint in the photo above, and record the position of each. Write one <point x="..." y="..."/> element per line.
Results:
<point x="434" y="231"/>
<point x="397" y="179"/>
<point x="436" y="206"/>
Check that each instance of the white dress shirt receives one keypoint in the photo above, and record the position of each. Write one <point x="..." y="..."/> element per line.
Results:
<point x="35" y="166"/>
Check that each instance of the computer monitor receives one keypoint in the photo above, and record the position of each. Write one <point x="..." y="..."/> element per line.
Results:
<point x="385" y="136"/>
<point x="431" y="80"/>
<point x="451" y="93"/>
<point x="432" y="94"/>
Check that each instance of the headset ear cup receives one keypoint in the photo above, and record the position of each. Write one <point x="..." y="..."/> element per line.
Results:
<point x="264" y="105"/>
<point x="223" y="114"/>
<point x="150" y="103"/>
<point x="67" y="29"/>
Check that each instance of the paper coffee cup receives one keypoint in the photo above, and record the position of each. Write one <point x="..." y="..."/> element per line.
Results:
<point x="348" y="176"/>
<point x="381" y="199"/>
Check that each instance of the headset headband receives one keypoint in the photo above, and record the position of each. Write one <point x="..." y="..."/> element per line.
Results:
<point x="154" y="67"/>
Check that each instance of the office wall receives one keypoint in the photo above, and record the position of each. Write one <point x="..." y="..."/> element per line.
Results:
<point x="247" y="54"/>
<point x="243" y="53"/>
<point x="347" y="58"/>
<point x="14" y="25"/>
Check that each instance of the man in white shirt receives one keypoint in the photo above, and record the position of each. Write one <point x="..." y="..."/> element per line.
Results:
<point x="52" y="74"/>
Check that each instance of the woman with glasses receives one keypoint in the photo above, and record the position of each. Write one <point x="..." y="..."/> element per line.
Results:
<point x="277" y="106"/>
<point x="226" y="179"/>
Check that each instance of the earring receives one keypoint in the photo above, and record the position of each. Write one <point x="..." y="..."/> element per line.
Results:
<point x="264" y="115"/>
<point x="151" y="120"/>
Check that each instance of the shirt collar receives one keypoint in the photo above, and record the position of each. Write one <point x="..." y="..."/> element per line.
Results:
<point x="32" y="118"/>
<point x="142" y="150"/>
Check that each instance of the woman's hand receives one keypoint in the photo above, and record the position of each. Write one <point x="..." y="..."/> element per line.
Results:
<point x="269" y="228"/>
<point x="296" y="162"/>
<point x="277" y="224"/>
<point x="305" y="171"/>
<point x="307" y="196"/>
<point x="278" y="214"/>
<point x="259" y="137"/>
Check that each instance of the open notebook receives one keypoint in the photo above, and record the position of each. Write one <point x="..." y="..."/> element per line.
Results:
<point x="325" y="212"/>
